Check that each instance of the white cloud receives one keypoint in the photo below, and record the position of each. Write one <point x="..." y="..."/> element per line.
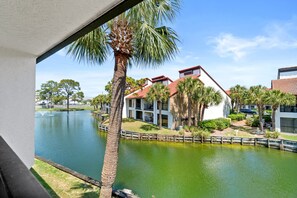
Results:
<point x="275" y="36"/>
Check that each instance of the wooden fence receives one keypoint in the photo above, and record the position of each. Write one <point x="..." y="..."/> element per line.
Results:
<point x="286" y="145"/>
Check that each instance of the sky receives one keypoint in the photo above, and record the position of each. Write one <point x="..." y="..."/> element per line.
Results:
<point x="236" y="42"/>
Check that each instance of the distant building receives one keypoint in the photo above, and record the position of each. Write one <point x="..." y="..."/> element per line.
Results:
<point x="286" y="116"/>
<point x="135" y="105"/>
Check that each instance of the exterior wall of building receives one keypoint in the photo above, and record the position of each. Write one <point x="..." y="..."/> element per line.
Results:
<point x="221" y="110"/>
<point x="17" y="103"/>
<point x="279" y="115"/>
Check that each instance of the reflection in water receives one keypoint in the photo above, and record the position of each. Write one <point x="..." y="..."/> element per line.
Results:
<point x="168" y="169"/>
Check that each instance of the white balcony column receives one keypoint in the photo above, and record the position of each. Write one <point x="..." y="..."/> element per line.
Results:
<point x="17" y="102"/>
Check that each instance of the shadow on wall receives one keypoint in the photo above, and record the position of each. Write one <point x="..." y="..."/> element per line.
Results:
<point x="227" y="107"/>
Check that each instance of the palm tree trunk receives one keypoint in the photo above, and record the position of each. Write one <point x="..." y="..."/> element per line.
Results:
<point x="109" y="169"/>
<point x="67" y="102"/>
<point x="199" y="114"/>
<point x="160" y="115"/>
<point x="260" y="111"/>
<point x="189" y="111"/>
<point x="202" y="113"/>
<point x="273" y="119"/>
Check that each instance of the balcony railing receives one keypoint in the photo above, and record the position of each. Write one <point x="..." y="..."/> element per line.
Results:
<point x="15" y="179"/>
<point x="292" y="109"/>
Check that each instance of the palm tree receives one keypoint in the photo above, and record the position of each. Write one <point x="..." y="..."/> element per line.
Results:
<point x="187" y="87"/>
<point x="136" y="36"/>
<point x="197" y="99"/>
<point x="160" y="93"/>
<point x="237" y="96"/>
<point x="210" y="97"/>
<point x="257" y="96"/>
<point x="275" y="98"/>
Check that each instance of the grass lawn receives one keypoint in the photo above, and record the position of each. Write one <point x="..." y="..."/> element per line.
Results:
<point x="63" y="108"/>
<point x="143" y="127"/>
<point x="288" y="136"/>
<point x="61" y="184"/>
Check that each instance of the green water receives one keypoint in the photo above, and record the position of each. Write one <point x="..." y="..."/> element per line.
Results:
<point x="168" y="169"/>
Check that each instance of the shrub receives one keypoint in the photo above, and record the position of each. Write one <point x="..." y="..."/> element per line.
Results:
<point x="269" y="134"/>
<point x="128" y="120"/>
<point x="253" y="121"/>
<point x="237" y="116"/>
<point x="209" y="125"/>
<point x="267" y="118"/>
<point x="222" y="123"/>
<point x="201" y="133"/>
<point x="187" y="128"/>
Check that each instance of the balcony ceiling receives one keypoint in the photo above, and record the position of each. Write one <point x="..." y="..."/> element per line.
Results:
<point x="36" y="26"/>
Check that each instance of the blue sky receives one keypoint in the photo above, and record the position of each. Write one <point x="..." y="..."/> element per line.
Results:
<point x="236" y="42"/>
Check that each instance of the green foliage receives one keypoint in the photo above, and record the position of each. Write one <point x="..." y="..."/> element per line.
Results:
<point x="253" y="121"/>
<point x="149" y="127"/>
<point x="237" y="116"/>
<point x="209" y="125"/>
<point x="268" y="111"/>
<point x="270" y="134"/>
<point x="201" y="133"/>
<point x="215" y="124"/>
<point x="267" y="118"/>
<point x="128" y="120"/>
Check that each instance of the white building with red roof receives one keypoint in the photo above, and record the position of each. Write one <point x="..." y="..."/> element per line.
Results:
<point x="286" y="116"/>
<point x="138" y="108"/>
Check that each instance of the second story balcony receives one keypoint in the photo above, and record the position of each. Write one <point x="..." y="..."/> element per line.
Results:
<point x="288" y="109"/>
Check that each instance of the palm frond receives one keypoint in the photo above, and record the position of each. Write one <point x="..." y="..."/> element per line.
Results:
<point x="91" y="48"/>
<point x="153" y="46"/>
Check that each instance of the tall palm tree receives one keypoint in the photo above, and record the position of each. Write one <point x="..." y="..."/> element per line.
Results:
<point x="137" y="36"/>
<point x="197" y="99"/>
<point x="209" y="98"/>
<point x="237" y="96"/>
<point x="275" y="98"/>
<point x="187" y="87"/>
<point x="160" y="93"/>
<point x="257" y="95"/>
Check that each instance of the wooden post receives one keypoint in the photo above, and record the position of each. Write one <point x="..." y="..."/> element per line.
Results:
<point x="211" y="139"/>
<point x="255" y="141"/>
<point x="231" y="141"/>
<point x="184" y="138"/>
<point x="281" y="145"/>
<point x="241" y="141"/>
<point x="221" y="139"/>
<point x="268" y="143"/>
<point x="174" y="138"/>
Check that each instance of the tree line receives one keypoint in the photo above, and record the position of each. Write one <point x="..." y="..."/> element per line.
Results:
<point x="260" y="96"/>
<point x="56" y="92"/>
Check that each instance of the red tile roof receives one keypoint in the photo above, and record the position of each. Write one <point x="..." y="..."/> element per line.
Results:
<point x="288" y="85"/>
<point x="172" y="88"/>
<point x="228" y="92"/>
<point x="141" y="93"/>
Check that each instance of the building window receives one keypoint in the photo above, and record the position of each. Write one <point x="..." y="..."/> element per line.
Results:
<point x="148" y="106"/>
<point x="139" y="115"/>
<point x="164" y="106"/>
<point x="164" y="120"/>
<point x="190" y="72"/>
<point x="284" y="108"/>
<point x="288" y="125"/>
<point x="138" y="103"/>
<point x="130" y="114"/>
<point x="130" y="103"/>
<point x="148" y="117"/>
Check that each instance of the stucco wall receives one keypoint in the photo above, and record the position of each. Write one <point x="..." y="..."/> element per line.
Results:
<point x="17" y="97"/>
<point x="279" y="115"/>
<point x="221" y="110"/>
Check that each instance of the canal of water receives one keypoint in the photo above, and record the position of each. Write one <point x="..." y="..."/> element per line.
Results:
<point x="167" y="169"/>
